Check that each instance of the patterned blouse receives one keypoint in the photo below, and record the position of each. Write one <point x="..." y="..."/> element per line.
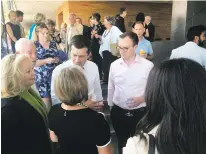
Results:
<point x="44" y="72"/>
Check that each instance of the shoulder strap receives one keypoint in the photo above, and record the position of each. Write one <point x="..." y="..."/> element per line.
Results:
<point x="151" y="144"/>
<point x="110" y="40"/>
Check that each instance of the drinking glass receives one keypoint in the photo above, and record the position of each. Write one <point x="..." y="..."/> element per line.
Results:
<point x="129" y="102"/>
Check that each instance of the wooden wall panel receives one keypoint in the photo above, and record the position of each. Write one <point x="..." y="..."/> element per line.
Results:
<point x="160" y="12"/>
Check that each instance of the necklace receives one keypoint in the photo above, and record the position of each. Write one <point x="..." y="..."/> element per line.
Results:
<point x="106" y="33"/>
<point x="78" y="104"/>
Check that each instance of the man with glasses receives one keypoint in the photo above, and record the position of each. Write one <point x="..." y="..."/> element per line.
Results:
<point x="127" y="81"/>
<point x="79" y="55"/>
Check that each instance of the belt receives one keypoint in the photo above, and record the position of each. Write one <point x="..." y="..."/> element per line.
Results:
<point x="134" y="110"/>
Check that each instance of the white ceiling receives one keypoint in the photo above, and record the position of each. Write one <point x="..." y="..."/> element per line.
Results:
<point x="31" y="7"/>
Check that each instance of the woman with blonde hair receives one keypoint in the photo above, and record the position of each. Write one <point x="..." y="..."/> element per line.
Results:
<point x="38" y="19"/>
<point x="48" y="55"/>
<point x="23" y="114"/>
<point x="77" y="128"/>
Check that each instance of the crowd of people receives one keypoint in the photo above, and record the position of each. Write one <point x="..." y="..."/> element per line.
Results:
<point x="51" y="91"/>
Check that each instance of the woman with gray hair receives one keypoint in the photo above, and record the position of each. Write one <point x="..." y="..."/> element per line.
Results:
<point x="77" y="128"/>
<point x="110" y="36"/>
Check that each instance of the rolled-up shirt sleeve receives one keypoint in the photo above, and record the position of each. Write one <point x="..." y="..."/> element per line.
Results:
<point x="55" y="100"/>
<point x="111" y="87"/>
<point x="150" y="51"/>
<point x="97" y="87"/>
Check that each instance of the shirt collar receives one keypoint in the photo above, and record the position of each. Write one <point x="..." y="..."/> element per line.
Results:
<point x="141" y="40"/>
<point x="84" y="67"/>
<point x="137" y="59"/>
<point x="191" y="43"/>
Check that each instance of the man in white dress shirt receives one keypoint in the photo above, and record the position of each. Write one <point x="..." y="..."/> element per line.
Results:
<point x="79" y="55"/>
<point x="127" y="81"/>
<point x="191" y="49"/>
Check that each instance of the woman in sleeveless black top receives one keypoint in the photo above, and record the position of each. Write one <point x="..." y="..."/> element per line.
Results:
<point x="13" y="30"/>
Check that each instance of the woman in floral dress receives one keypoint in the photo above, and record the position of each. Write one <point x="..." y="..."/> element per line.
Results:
<point x="47" y="60"/>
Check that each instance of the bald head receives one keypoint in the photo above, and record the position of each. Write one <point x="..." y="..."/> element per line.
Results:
<point x="72" y="18"/>
<point x="148" y="19"/>
<point x="26" y="47"/>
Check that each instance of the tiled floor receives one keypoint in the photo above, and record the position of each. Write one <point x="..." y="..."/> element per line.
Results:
<point x="107" y="113"/>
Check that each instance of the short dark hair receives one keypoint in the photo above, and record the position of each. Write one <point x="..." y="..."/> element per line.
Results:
<point x="138" y="22"/>
<point x="202" y="28"/>
<point x="192" y="32"/>
<point x="79" y="42"/>
<point x="176" y="98"/>
<point x="122" y="10"/>
<point x="96" y="16"/>
<point x="131" y="35"/>
<point x="50" y="22"/>
<point x="140" y="17"/>
<point x="19" y="13"/>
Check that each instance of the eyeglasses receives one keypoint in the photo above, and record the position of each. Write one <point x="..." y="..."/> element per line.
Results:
<point x="124" y="48"/>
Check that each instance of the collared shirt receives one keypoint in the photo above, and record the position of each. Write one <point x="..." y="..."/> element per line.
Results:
<point x="191" y="51"/>
<point x="126" y="81"/>
<point x="92" y="74"/>
<point x="144" y="45"/>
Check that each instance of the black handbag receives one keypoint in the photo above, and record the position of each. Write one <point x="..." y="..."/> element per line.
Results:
<point x="151" y="144"/>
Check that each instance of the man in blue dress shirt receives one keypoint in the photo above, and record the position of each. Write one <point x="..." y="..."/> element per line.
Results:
<point x="144" y="47"/>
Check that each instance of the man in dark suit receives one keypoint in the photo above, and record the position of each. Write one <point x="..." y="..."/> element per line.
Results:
<point x="120" y="19"/>
<point x="151" y="29"/>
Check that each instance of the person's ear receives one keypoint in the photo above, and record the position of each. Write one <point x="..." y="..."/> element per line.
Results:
<point x="196" y="39"/>
<point x="135" y="47"/>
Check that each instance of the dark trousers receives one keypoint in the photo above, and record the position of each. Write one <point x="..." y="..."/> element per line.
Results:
<point x="125" y="126"/>
<point x="108" y="58"/>
<point x="13" y="47"/>
<point x="97" y="59"/>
